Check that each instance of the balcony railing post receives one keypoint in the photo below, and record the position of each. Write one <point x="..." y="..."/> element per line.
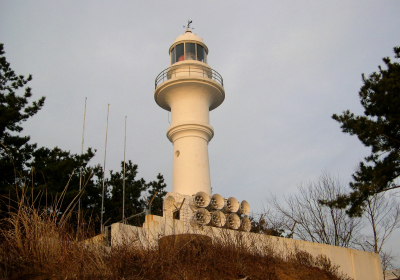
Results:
<point x="168" y="73"/>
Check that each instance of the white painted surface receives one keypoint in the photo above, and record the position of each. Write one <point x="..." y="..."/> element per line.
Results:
<point x="190" y="93"/>
<point x="188" y="36"/>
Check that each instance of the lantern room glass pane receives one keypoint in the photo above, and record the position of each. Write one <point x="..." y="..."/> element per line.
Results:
<point x="179" y="49"/>
<point x="173" y="57"/>
<point x="190" y="51"/>
<point x="200" y="53"/>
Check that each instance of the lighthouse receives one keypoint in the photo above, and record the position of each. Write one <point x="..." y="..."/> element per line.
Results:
<point x="189" y="89"/>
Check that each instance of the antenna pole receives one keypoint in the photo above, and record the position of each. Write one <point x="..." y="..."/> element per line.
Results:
<point x="123" y="182"/>
<point x="104" y="171"/>
<point x="80" y="175"/>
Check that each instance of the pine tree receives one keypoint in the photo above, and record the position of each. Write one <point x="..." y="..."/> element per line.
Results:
<point x="134" y="190"/>
<point x="378" y="128"/>
<point x="48" y="174"/>
<point x="15" y="151"/>
<point x="55" y="170"/>
<point x="159" y="187"/>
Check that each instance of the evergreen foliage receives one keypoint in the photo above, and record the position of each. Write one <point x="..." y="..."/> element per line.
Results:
<point x="53" y="170"/>
<point x="134" y="193"/>
<point x="15" y="151"/>
<point x="159" y="187"/>
<point x="48" y="174"/>
<point x="378" y="128"/>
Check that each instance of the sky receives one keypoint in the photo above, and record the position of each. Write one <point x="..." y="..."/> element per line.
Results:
<point x="287" y="67"/>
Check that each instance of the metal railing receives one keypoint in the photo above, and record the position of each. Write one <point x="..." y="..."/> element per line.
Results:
<point x="188" y="70"/>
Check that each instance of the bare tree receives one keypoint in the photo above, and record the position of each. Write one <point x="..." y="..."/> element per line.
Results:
<point x="383" y="216"/>
<point x="387" y="259"/>
<point x="307" y="219"/>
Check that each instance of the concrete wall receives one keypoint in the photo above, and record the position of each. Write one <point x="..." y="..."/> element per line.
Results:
<point x="359" y="265"/>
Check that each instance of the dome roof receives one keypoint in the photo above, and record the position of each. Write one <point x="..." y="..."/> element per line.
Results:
<point x="188" y="36"/>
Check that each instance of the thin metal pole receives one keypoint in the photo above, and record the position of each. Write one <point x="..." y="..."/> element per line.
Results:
<point x="104" y="172"/>
<point x="80" y="175"/>
<point x="123" y="184"/>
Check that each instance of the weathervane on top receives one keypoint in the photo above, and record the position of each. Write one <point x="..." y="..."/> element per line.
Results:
<point x="188" y="25"/>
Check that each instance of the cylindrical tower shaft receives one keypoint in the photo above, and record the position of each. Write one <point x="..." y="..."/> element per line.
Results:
<point x="190" y="133"/>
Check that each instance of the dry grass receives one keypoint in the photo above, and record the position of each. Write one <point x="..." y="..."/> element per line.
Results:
<point x="39" y="245"/>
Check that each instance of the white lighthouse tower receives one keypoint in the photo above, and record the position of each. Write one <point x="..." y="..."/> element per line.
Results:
<point x="189" y="88"/>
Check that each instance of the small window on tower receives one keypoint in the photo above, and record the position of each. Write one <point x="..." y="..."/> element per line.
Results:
<point x="179" y="49"/>
<point x="200" y="53"/>
<point x="173" y="57"/>
<point x="190" y="51"/>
